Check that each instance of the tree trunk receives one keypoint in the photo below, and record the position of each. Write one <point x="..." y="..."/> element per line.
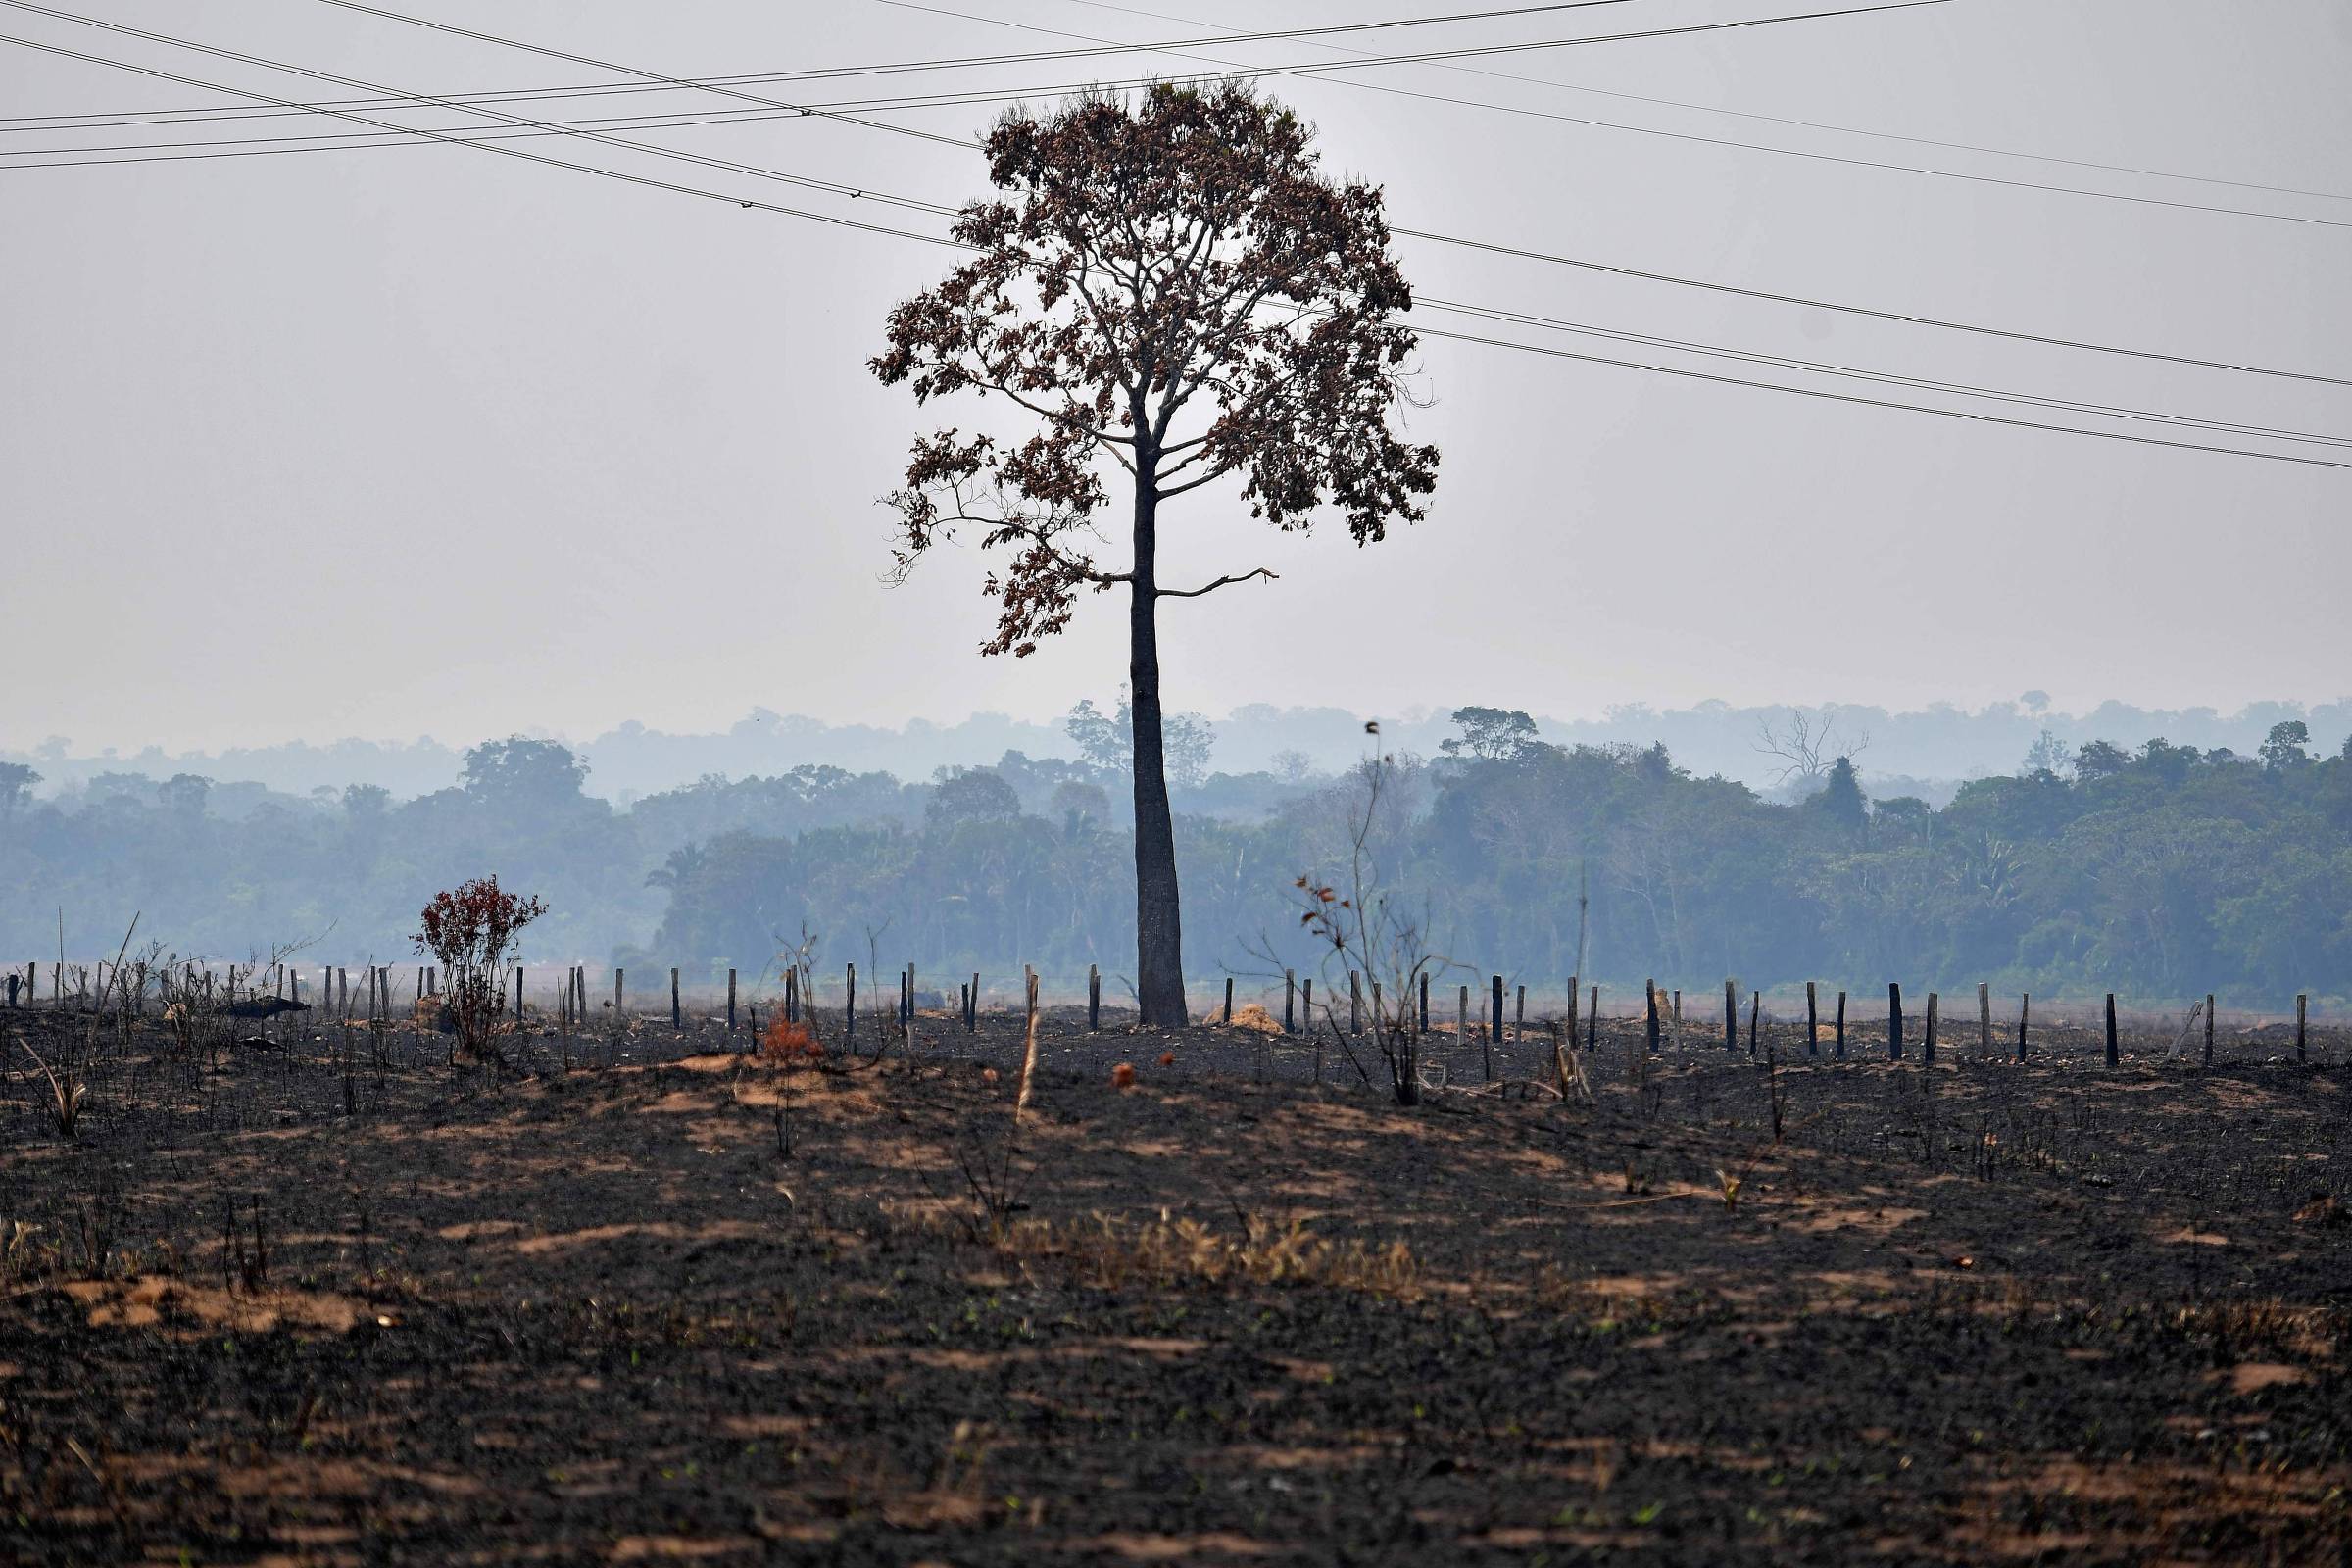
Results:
<point x="1158" y="933"/>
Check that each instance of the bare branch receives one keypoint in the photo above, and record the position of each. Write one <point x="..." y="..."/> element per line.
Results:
<point x="1221" y="582"/>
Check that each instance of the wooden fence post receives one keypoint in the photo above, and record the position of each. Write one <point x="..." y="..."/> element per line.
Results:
<point x="730" y="1001"/>
<point x="2208" y="1028"/>
<point x="1461" y="1017"/>
<point x="1730" y="1015"/>
<point x="677" y="1017"/>
<point x="2025" y="1006"/>
<point x="2112" y="1055"/>
<point x="1983" y="1020"/>
<point x="1927" y="1049"/>
<point x="1093" y="997"/>
<point x="1229" y="998"/>
<point x="848" y="1003"/>
<point x="1894" y="1021"/>
<point x="1650" y="1014"/>
<point x="1425" y="1002"/>
<point x="518" y="993"/>
<point x="1495" y="1015"/>
<point x="1756" y="1009"/>
<point x="2302" y="1004"/>
<point x="1021" y="1101"/>
<point x="1840" y="1026"/>
<point x="1355" y="1003"/>
<point x="1486" y="1040"/>
<point x="1573" y="982"/>
<point x="972" y="1005"/>
<point x="1812" y="1020"/>
<point x="1306" y="1006"/>
<point x="1593" y="1021"/>
<point x="1289" y="1001"/>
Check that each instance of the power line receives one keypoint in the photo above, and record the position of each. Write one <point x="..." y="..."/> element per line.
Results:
<point x="1747" y="114"/>
<point x="1312" y="69"/>
<point x="658" y="83"/>
<point x="1816" y="367"/>
<point x="837" y="72"/>
<point x="1585" y="265"/>
<point x="1873" y="402"/>
<point x="727" y="164"/>
<point x="685" y="121"/>
<point x="1423" y="331"/>
<point x="1098" y="46"/>
<point x="879" y="106"/>
<point x="511" y="152"/>
<point x="1425" y="234"/>
<point x="1095" y="47"/>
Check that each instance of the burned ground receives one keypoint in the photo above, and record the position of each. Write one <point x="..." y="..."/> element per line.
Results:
<point x="333" y="1298"/>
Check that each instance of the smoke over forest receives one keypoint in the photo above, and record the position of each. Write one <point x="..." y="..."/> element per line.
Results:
<point x="2157" y="866"/>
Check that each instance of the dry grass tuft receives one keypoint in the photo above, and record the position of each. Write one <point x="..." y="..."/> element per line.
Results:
<point x="1110" y="1254"/>
<point x="1256" y="1020"/>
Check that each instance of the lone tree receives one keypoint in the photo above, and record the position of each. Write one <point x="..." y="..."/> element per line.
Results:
<point x="1169" y="285"/>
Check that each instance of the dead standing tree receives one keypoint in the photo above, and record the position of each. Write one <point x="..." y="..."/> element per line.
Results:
<point x="1170" y="285"/>
<point x="1807" y="747"/>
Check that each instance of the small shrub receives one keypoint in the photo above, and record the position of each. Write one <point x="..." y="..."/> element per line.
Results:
<point x="786" y="1044"/>
<point x="1122" y="1076"/>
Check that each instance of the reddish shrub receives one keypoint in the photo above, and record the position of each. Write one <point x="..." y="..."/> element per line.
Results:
<point x="790" y="1045"/>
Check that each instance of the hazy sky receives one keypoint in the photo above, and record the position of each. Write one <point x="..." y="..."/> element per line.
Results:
<point x="425" y="439"/>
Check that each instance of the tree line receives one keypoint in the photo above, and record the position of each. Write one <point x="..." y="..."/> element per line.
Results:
<point x="2160" y="871"/>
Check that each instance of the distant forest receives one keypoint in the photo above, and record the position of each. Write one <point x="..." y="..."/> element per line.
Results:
<point x="2160" y="871"/>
